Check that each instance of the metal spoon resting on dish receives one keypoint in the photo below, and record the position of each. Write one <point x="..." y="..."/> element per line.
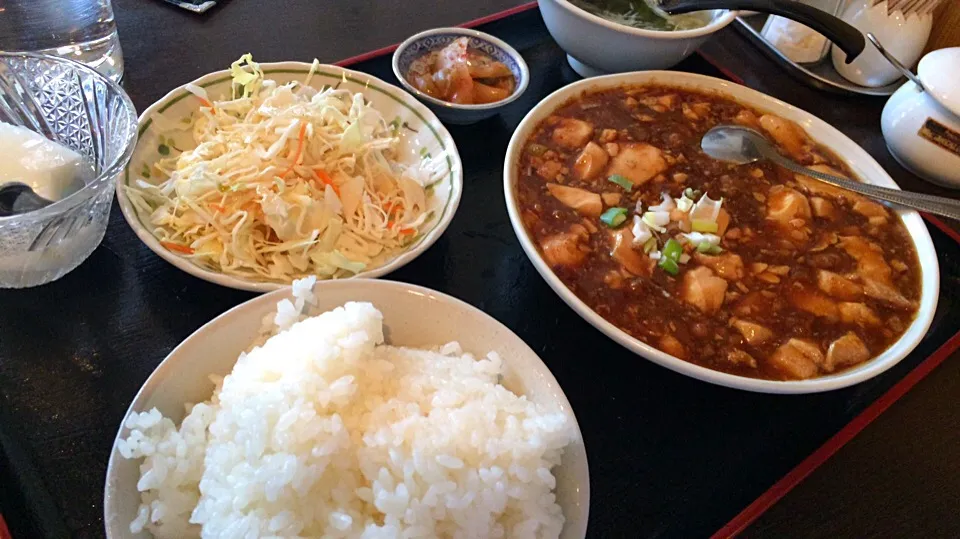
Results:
<point x="17" y="198"/>
<point x="741" y="145"/>
<point x="36" y="171"/>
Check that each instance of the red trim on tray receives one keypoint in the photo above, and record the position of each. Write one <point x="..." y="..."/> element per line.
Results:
<point x="469" y="24"/>
<point x="4" y="531"/>
<point x="367" y="56"/>
<point x="721" y="68"/>
<point x="947" y="229"/>
<point x="499" y="15"/>
<point x="828" y="449"/>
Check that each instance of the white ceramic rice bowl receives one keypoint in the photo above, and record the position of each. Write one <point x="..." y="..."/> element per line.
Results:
<point x="855" y="157"/>
<point x="413" y="316"/>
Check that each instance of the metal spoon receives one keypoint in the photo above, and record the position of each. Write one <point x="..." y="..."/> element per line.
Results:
<point x="896" y="63"/>
<point x="741" y="145"/>
<point x="905" y="71"/>
<point x="17" y="198"/>
<point x="845" y="37"/>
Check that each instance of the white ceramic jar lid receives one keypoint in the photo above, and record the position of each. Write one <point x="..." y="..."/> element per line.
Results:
<point x="940" y="73"/>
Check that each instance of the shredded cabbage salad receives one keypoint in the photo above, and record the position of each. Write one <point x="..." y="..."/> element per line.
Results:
<point x="287" y="181"/>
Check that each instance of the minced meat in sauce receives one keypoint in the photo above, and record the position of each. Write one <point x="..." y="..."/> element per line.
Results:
<point x="795" y="278"/>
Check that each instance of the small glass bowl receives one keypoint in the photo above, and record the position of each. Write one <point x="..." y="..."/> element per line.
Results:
<point x="78" y="107"/>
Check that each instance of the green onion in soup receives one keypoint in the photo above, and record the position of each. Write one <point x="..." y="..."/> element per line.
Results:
<point x="643" y="14"/>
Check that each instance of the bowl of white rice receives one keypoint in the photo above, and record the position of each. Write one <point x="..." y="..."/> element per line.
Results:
<point x="355" y="408"/>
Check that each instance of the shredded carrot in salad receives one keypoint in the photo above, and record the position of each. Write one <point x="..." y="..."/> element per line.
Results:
<point x="285" y="181"/>
<point x="183" y="249"/>
<point x="296" y="156"/>
<point x="325" y="180"/>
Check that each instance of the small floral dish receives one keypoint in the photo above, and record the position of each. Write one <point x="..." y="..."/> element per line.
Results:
<point x="421" y="137"/>
<point x="434" y="40"/>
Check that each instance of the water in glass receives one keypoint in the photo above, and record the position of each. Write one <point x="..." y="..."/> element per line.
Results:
<point x="82" y="30"/>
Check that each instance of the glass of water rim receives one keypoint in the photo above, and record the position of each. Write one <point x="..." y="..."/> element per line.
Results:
<point x="78" y="107"/>
<point x="82" y="30"/>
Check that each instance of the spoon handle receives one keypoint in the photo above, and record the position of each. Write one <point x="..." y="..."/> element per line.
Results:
<point x="16" y="198"/>
<point x="849" y="39"/>
<point x="896" y="63"/>
<point x="947" y="207"/>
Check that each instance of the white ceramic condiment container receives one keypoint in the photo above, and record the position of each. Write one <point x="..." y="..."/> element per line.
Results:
<point x="922" y="130"/>
<point x="903" y="36"/>
<point x="800" y="43"/>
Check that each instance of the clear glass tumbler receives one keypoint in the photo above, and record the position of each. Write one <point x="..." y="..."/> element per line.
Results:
<point x="74" y="105"/>
<point x="82" y="30"/>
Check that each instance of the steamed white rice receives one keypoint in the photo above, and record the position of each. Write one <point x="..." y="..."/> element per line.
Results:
<point x="325" y="431"/>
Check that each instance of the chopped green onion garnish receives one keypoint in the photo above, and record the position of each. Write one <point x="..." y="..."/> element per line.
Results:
<point x="656" y="220"/>
<point x="699" y="225"/>
<point x="709" y="249"/>
<point x="614" y="217"/>
<point x="537" y="149"/>
<point x="669" y="265"/>
<point x="684" y="204"/>
<point x="650" y="245"/>
<point x="647" y="219"/>
<point x="672" y="249"/>
<point x="622" y="182"/>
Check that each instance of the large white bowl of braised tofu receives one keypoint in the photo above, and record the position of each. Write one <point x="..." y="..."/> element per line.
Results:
<point x="747" y="276"/>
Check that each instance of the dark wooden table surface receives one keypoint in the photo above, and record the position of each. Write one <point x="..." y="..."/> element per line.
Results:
<point x="899" y="477"/>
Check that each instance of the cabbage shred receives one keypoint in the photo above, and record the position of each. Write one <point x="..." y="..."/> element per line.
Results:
<point x="287" y="181"/>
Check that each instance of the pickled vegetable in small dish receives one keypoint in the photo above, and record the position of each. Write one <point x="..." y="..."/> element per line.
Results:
<point x="459" y="74"/>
